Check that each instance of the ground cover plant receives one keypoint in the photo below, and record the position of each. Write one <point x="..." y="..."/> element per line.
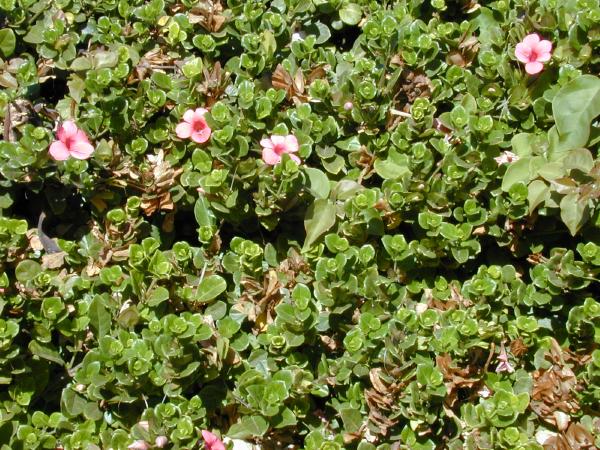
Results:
<point x="301" y="224"/>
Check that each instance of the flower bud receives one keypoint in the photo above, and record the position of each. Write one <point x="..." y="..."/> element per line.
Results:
<point x="161" y="441"/>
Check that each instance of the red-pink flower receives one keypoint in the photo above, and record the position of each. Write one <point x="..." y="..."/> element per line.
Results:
<point x="194" y="126"/>
<point x="275" y="146"/>
<point x="211" y="441"/>
<point x="71" y="142"/>
<point x="533" y="52"/>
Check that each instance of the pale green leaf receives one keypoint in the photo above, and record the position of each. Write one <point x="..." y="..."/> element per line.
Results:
<point x="210" y="288"/>
<point x="318" y="183"/>
<point x="573" y="212"/>
<point x="8" y="42"/>
<point x="574" y="107"/>
<point x="320" y="217"/>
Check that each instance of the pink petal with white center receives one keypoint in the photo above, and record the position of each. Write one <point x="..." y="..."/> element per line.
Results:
<point x="291" y="144"/>
<point x="533" y="67"/>
<point x="183" y="130"/>
<point x="59" y="151"/>
<point x="270" y="157"/>
<point x="81" y="150"/>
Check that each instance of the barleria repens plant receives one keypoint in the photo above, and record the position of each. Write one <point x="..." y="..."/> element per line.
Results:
<point x="299" y="224"/>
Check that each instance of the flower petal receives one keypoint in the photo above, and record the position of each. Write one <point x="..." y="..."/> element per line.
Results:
<point x="183" y="130"/>
<point x="522" y="52"/>
<point x="295" y="158"/>
<point x="59" y="151"/>
<point x="80" y="136"/>
<point x="211" y="441"/>
<point x="291" y="144"/>
<point x="201" y="136"/>
<point x="533" y="67"/>
<point x="266" y="143"/>
<point x="67" y="130"/>
<point x="199" y="113"/>
<point x="531" y="40"/>
<point x="81" y="150"/>
<point x="277" y="140"/>
<point x="544" y="51"/>
<point x="270" y="157"/>
<point x="188" y="116"/>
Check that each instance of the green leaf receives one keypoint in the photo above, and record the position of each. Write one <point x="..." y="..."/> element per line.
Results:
<point x="8" y="42"/>
<point x="71" y="403"/>
<point x="517" y="172"/>
<point x="574" y="107"/>
<point x="580" y="159"/>
<point x="202" y="212"/>
<point x="320" y="217"/>
<point x="35" y="34"/>
<point x="100" y="319"/>
<point x="388" y="169"/>
<point x="158" y="295"/>
<point x="45" y="351"/>
<point x="162" y="80"/>
<point x="351" y="13"/>
<point x="318" y="183"/>
<point x="573" y="212"/>
<point x="352" y="419"/>
<point x="537" y="191"/>
<point x="210" y="288"/>
<point x="249" y="426"/>
<point x="27" y="270"/>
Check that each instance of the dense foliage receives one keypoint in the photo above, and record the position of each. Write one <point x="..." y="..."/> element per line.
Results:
<point x="304" y="224"/>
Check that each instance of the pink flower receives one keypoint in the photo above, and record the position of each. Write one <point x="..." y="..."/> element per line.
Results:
<point x="504" y="365"/>
<point x="276" y="146"/>
<point x="506" y="157"/>
<point x="144" y="424"/>
<point x="71" y="142"/>
<point x="533" y="52"/>
<point x="139" y="445"/>
<point x="161" y="441"/>
<point x="211" y="441"/>
<point x="348" y="106"/>
<point x="194" y="126"/>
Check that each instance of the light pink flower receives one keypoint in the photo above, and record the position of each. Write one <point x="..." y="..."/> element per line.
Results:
<point x="161" y="441"/>
<point x="211" y="441"/>
<point x="144" y="424"/>
<point x="139" y="445"/>
<point x="348" y="106"/>
<point x="504" y="365"/>
<point x="533" y="52"/>
<point x="71" y="142"/>
<point x="194" y="126"/>
<point x="276" y="146"/>
<point x="506" y="157"/>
